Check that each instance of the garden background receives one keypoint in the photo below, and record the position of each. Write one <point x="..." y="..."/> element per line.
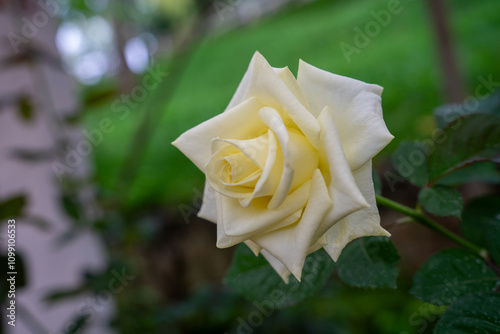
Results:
<point x="151" y="69"/>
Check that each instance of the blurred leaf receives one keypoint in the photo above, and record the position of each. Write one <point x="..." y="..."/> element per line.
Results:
<point x="67" y="293"/>
<point x="484" y="171"/>
<point x="441" y="201"/>
<point x="466" y="140"/>
<point x="481" y="224"/>
<point x="369" y="262"/>
<point x="450" y="112"/>
<point x="476" y="313"/>
<point x="451" y="274"/>
<point x="18" y="267"/>
<point x="253" y="277"/>
<point x="377" y="183"/>
<point x="70" y="206"/>
<point x="99" y="95"/>
<point x="410" y="160"/>
<point x="25" y="108"/>
<point x="209" y="302"/>
<point x="32" y="155"/>
<point x="12" y="207"/>
<point x="77" y="325"/>
<point x="492" y="239"/>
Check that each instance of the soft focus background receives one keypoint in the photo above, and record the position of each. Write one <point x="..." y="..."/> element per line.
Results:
<point x="137" y="74"/>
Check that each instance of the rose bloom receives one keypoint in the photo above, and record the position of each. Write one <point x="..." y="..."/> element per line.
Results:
<point x="288" y="164"/>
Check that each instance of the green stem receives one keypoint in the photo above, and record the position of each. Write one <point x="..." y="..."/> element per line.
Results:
<point x="426" y="221"/>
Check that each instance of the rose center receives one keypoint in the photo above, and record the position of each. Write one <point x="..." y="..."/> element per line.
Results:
<point x="254" y="168"/>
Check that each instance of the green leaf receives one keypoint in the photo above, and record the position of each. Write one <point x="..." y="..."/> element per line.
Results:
<point x="12" y="207"/>
<point x="410" y="160"/>
<point x="466" y="140"/>
<point x="451" y="274"/>
<point x="254" y="278"/>
<point x="476" y="313"/>
<point x="450" y="112"/>
<point x="369" y="262"/>
<point x="492" y="240"/>
<point x="441" y="201"/>
<point x="483" y="171"/>
<point x="70" y="206"/>
<point x="481" y="224"/>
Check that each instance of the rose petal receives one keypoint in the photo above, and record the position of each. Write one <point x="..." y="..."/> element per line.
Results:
<point x="261" y="80"/>
<point x="273" y="120"/>
<point x="365" y="222"/>
<point x="300" y="157"/>
<point x="322" y="88"/>
<point x="224" y="240"/>
<point x="290" y="81"/>
<point x="219" y="174"/>
<point x="269" y="179"/>
<point x="279" y="267"/>
<point x="196" y="142"/>
<point x="318" y="245"/>
<point x="344" y="192"/>
<point x="290" y="245"/>
<point x="208" y="208"/>
<point x="356" y="108"/>
<point x="362" y="129"/>
<point x="237" y="221"/>
<point x="236" y="165"/>
<point x="253" y="247"/>
<point x="255" y="149"/>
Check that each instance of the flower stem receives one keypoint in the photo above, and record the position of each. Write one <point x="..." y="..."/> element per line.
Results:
<point x="419" y="217"/>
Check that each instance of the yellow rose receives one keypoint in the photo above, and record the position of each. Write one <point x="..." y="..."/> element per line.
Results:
<point x="288" y="163"/>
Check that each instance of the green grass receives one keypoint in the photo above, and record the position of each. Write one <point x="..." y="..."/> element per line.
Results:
<point x="402" y="59"/>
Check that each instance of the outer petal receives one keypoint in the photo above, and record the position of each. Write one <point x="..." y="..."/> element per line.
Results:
<point x="347" y="197"/>
<point x="361" y="223"/>
<point x="292" y="84"/>
<point x="253" y="246"/>
<point x="262" y="81"/>
<point x="196" y="142"/>
<point x="323" y="88"/>
<point x="356" y="107"/>
<point x="274" y="262"/>
<point x="362" y="129"/>
<point x="208" y="208"/>
<point x="291" y="244"/>
<point x="277" y="265"/>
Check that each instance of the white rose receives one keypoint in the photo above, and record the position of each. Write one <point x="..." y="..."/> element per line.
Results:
<point x="288" y="163"/>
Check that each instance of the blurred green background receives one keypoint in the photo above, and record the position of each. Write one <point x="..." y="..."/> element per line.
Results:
<point x="150" y="192"/>
<point x="402" y="58"/>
